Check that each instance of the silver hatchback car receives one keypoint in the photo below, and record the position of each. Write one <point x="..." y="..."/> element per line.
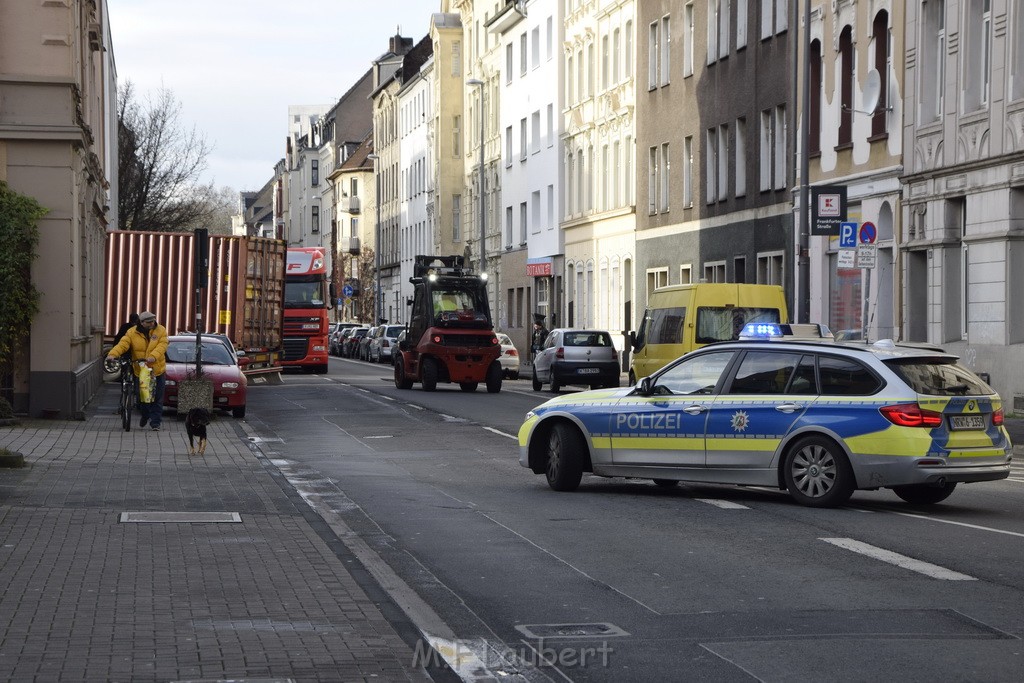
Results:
<point x="586" y="357"/>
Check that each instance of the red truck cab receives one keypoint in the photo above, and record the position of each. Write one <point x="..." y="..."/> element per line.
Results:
<point x="307" y="298"/>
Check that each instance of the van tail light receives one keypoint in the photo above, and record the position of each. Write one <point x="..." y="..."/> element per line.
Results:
<point x="997" y="418"/>
<point x="560" y="353"/>
<point x="911" y="415"/>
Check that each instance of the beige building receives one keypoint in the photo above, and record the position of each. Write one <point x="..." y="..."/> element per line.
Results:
<point x="355" y="234"/>
<point x="58" y="144"/>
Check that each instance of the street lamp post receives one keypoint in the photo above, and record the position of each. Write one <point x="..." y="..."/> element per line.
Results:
<point x="378" y="294"/>
<point x="477" y="83"/>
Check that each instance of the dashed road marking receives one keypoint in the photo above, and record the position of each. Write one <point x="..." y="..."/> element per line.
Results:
<point x="724" y="504"/>
<point x="501" y="433"/>
<point x="964" y="524"/>
<point x="919" y="566"/>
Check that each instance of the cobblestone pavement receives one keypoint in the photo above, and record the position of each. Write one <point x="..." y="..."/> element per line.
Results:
<point x="87" y="597"/>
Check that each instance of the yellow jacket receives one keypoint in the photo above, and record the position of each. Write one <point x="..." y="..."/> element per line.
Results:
<point x="145" y="346"/>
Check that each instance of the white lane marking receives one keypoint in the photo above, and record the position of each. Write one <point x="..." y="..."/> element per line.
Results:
<point x="724" y="504"/>
<point x="413" y="405"/>
<point x="926" y="568"/>
<point x="386" y="398"/>
<point x="383" y="436"/>
<point x="501" y="433"/>
<point x="1013" y="479"/>
<point x="969" y="526"/>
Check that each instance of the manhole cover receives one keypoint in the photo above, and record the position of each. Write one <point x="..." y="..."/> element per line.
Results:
<point x="181" y="517"/>
<point x="547" y="631"/>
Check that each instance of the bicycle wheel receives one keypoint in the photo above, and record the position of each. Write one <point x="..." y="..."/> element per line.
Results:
<point x="127" y="401"/>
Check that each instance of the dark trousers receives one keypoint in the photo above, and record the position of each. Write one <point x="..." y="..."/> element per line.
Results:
<point x="153" y="411"/>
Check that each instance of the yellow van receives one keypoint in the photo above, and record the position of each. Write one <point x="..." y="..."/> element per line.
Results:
<point x="681" y="318"/>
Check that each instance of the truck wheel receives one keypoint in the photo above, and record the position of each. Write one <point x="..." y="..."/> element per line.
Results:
<point x="468" y="387"/>
<point x="401" y="381"/>
<point x="494" y="378"/>
<point x="428" y="373"/>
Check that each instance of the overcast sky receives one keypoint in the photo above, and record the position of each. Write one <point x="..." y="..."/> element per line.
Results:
<point x="236" y="65"/>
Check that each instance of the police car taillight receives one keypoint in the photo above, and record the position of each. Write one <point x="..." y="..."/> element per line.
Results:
<point x="911" y="415"/>
<point x="997" y="418"/>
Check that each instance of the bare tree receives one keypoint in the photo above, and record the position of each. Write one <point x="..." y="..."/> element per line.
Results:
<point x="159" y="165"/>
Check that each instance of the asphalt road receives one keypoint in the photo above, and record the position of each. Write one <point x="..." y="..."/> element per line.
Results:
<point x="622" y="580"/>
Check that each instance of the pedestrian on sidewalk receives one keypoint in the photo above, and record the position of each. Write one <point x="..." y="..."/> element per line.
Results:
<point x="540" y="333"/>
<point x="147" y="342"/>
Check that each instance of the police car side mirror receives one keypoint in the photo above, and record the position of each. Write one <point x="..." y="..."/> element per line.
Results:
<point x="643" y="387"/>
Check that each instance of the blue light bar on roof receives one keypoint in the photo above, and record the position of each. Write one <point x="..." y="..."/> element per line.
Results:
<point x="761" y="331"/>
<point x="785" y="331"/>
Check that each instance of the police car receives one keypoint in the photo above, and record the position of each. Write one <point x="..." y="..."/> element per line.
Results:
<point x="784" y="407"/>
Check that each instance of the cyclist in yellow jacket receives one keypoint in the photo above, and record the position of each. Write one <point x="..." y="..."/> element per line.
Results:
<point x="147" y="342"/>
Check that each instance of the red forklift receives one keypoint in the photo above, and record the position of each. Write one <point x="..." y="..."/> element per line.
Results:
<point x="450" y="336"/>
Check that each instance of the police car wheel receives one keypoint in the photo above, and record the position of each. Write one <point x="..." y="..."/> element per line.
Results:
<point x="565" y="457"/>
<point x="817" y="473"/>
<point x="925" y="494"/>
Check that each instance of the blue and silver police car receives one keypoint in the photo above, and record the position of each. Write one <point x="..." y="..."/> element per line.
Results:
<point x="817" y="418"/>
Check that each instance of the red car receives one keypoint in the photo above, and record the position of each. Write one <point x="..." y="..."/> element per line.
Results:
<point x="219" y="364"/>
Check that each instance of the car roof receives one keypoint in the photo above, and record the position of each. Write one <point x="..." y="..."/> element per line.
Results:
<point x="883" y="349"/>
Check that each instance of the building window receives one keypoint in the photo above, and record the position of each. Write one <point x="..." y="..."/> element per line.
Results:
<point x="315" y="173"/>
<point x="535" y="133"/>
<point x="535" y="46"/>
<point x="714" y="271"/>
<point x="508" y="227"/>
<point x="457" y="135"/>
<point x="767" y="143"/>
<point x="628" y="52"/>
<point x="741" y="25"/>
<point x="723" y="162"/>
<point x="688" y="36"/>
<point x="664" y="183"/>
<point x="666" y="49"/>
<point x="551" y="207"/>
<point x="685" y="274"/>
<point x="846" y="58"/>
<point x="570" y="98"/>
<point x="724" y="14"/>
<point x="814" y="114"/>
<point x="549" y="39"/>
<point x="1017" y="57"/>
<point x="606" y="72"/>
<point x="314" y="225"/>
<point x="353" y="227"/>
<point x="523" y="227"/>
<point x="628" y="172"/>
<point x="769" y="268"/>
<point x="456" y="217"/>
<point x="781" y="125"/>
<point x="551" y="125"/>
<point x="656" y="279"/>
<point x="456" y="58"/>
<point x="616" y="55"/>
<point x="509" y="63"/>
<point x="741" y="157"/>
<point x="978" y="54"/>
<point x="711" y="166"/>
<point x="522" y="139"/>
<point x="616" y="174"/>
<point x="688" y="172"/>
<point x="523" y="54"/>
<point x="508" y="147"/>
<point x="652" y="57"/>
<point x="652" y="181"/>
<point x="581" y="180"/>
<point x="712" y="31"/>
<point x="535" y="210"/>
<point x="883" y="50"/>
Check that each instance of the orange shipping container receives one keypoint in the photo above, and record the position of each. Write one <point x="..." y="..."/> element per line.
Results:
<point x="243" y="299"/>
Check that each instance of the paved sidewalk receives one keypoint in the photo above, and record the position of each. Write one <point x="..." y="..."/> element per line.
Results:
<point x="87" y="597"/>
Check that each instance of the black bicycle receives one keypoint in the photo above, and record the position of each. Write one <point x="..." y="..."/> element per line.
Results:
<point x="126" y="403"/>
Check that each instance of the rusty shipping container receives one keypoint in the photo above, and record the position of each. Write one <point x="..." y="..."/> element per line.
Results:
<point x="243" y="299"/>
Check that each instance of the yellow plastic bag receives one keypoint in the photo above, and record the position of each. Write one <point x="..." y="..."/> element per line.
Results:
<point x="145" y="384"/>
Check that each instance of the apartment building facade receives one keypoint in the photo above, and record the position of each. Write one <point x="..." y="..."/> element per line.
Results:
<point x="713" y="145"/>
<point x="962" y="210"/>
<point x="58" y="145"/>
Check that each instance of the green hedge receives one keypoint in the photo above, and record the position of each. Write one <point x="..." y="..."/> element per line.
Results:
<point x="19" y="236"/>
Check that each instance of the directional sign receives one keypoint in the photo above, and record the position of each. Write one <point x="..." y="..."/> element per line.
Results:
<point x="847" y="235"/>
<point x="868" y="233"/>
<point x="867" y="255"/>
<point x="347" y="291"/>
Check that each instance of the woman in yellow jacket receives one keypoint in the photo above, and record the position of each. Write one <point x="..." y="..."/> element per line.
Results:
<point x="147" y="342"/>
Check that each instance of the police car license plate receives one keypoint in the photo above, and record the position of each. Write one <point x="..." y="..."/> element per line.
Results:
<point x="588" y="371"/>
<point x="967" y="422"/>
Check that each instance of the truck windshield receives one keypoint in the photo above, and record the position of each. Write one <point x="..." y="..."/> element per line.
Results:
<point x="303" y="295"/>
<point x="459" y="306"/>
<point x="725" y="324"/>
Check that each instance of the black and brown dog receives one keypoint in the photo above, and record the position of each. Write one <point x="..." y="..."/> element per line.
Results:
<point x="195" y="425"/>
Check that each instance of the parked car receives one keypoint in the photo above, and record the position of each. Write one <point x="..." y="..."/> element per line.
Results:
<point x="509" y="357"/>
<point x="363" y="352"/>
<point x="219" y="364"/>
<point x="819" y="419"/>
<point x="334" y="340"/>
<point x="384" y="342"/>
<point x="586" y="357"/>
<point x="350" y="346"/>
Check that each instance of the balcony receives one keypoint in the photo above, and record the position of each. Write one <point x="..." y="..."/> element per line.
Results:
<point x="349" y="244"/>
<point x="350" y="204"/>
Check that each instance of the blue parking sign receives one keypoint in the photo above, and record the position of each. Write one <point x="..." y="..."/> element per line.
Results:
<point x="847" y="235"/>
